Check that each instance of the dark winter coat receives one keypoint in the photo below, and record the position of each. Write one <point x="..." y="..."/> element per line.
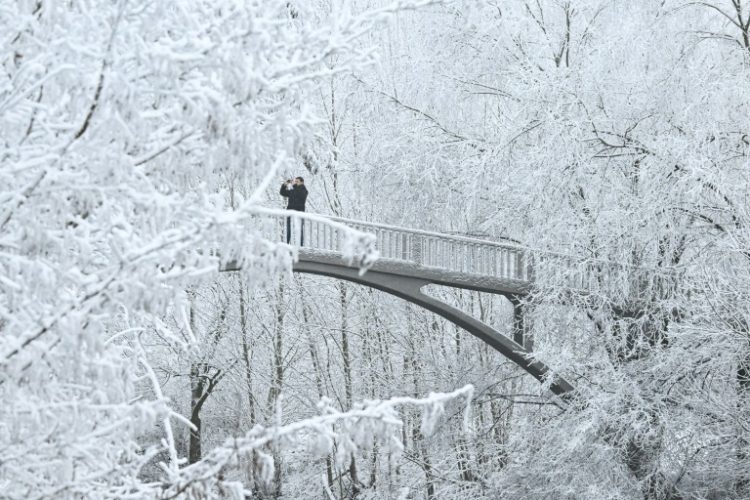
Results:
<point x="297" y="196"/>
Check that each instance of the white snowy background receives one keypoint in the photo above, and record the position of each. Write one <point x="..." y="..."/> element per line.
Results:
<point x="141" y="148"/>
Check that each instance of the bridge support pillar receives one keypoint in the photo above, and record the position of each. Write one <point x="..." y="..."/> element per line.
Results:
<point x="520" y="331"/>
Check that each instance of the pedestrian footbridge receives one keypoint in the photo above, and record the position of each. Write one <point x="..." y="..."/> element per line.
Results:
<point x="403" y="261"/>
<point x="408" y="260"/>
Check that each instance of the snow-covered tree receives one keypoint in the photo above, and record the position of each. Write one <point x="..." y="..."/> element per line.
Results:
<point x="124" y="124"/>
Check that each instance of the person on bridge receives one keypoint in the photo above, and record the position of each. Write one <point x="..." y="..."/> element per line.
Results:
<point x="296" y="192"/>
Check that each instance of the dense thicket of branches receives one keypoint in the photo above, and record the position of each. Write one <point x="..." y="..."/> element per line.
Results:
<point x="133" y="134"/>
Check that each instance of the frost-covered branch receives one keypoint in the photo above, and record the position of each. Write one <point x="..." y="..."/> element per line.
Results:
<point x="348" y="431"/>
<point x="115" y="202"/>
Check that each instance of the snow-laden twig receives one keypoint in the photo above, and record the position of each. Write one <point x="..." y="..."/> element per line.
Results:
<point x="173" y="465"/>
<point x="368" y="421"/>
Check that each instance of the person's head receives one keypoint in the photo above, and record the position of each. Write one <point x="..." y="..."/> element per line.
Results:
<point x="298" y="181"/>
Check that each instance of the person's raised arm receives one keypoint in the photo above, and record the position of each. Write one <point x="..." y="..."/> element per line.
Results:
<point x="284" y="192"/>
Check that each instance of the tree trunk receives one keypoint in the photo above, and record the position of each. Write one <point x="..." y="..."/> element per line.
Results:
<point x="277" y="381"/>
<point x="742" y="483"/>
<point x="346" y="354"/>
<point x="277" y="370"/>
<point x="196" y="393"/>
<point x="417" y="437"/>
<point x="318" y="377"/>
<point x="247" y="354"/>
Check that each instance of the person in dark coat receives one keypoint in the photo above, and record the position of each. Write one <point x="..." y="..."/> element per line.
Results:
<point x="296" y="192"/>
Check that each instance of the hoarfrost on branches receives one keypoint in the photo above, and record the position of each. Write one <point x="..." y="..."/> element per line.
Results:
<point x="126" y="127"/>
<point x="368" y="424"/>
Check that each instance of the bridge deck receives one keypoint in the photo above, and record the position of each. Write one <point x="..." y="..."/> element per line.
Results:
<point x="492" y="266"/>
<point x="433" y="274"/>
<point x="451" y="260"/>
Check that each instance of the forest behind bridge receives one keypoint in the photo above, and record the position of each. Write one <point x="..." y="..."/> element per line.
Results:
<point x="136" y="135"/>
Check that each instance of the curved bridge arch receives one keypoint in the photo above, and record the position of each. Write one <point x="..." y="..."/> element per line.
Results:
<point x="410" y="289"/>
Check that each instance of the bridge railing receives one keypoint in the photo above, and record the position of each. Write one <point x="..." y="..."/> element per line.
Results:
<point x="472" y="256"/>
<point x="423" y="248"/>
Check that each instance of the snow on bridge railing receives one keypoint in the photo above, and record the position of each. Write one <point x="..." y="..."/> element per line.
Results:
<point x="447" y="252"/>
<point x="472" y="256"/>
